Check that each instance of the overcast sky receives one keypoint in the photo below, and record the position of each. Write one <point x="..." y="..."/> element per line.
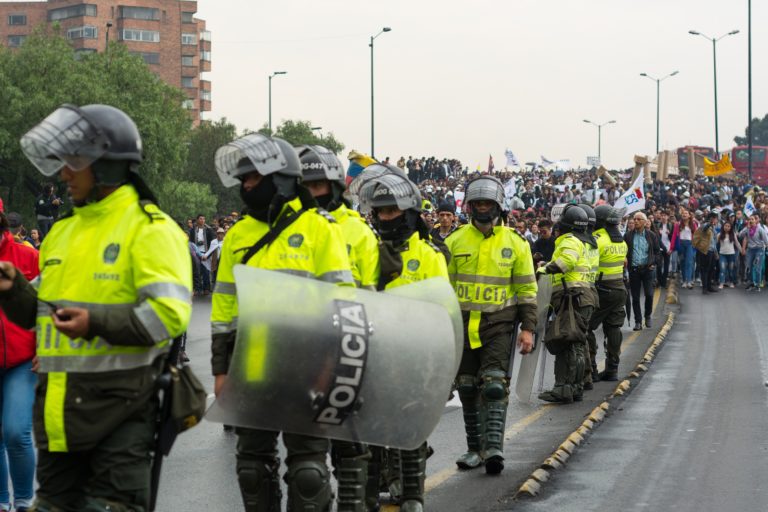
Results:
<point x="469" y="79"/>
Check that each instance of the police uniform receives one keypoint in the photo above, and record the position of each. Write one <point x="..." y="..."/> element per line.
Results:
<point x="127" y="264"/>
<point x="312" y="247"/>
<point x="572" y="267"/>
<point x="590" y="350"/>
<point x="613" y="295"/>
<point x="495" y="284"/>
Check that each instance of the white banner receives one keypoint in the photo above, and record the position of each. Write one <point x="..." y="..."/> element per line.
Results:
<point x="459" y="197"/>
<point x="510" y="189"/>
<point x="749" y="208"/>
<point x="633" y="199"/>
<point x="511" y="159"/>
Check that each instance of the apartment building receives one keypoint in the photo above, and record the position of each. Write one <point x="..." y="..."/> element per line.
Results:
<point x="165" y="33"/>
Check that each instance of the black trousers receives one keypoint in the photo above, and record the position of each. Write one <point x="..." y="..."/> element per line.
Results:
<point x="707" y="263"/>
<point x="662" y="270"/>
<point x="641" y="278"/>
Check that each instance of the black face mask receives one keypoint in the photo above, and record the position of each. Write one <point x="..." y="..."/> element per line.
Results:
<point x="485" y="218"/>
<point x="399" y="229"/>
<point x="325" y="201"/>
<point x="259" y="198"/>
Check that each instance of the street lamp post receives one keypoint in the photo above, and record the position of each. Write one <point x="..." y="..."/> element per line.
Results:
<point x="749" y="84"/>
<point x="274" y="74"/>
<point x="658" y="100"/>
<point x="109" y="25"/>
<point x="385" y="29"/>
<point x="599" y="137"/>
<point x="714" y="59"/>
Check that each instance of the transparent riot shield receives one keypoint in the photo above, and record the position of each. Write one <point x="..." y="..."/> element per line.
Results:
<point x="526" y="376"/>
<point x="339" y="362"/>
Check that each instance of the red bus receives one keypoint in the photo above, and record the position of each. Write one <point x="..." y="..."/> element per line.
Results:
<point x="740" y="161"/>
<point x="682" y="155"/>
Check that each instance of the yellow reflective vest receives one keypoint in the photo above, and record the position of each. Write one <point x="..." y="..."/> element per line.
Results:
<point x="312" y="246"/>
<point x="490" y="273"/>
<point x="362" y="246"/>
<point x="612" y="257"/>
<point x="112" y="257"/>
<point x="421" y="261"/>
<point x="572" y="259"/>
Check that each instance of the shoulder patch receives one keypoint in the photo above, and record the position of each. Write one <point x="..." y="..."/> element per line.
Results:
<point x="324" y="213"/>
<point x="152" y="211"/>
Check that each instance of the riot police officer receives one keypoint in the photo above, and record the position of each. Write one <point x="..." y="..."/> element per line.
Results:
<point x="610" y="288"/>
<point x="569" y="270"/>
<point x="491" y="269"/>
<point x="116" y="276"/>
<point x="406" y="256"/>
<point x="281" y="231"/>
<point x="590" y="352"/>
<point x="323" y="175"/>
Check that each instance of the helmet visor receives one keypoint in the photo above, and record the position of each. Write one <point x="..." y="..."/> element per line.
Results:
<point x="261" y="151"/>
<point x="64" y="138"/>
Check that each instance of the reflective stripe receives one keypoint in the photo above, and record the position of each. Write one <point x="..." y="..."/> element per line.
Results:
<point x="337" y="276"/>
<point x="151" y="322"/>
<point x="299" y="273"/>
<point x="581" y="269"/>
<point x="560" y="264"/>
<point x="164" y="290"/>
<point x="612" y="277"/>
<point x="486" y="308"/>
<point x="225" y="288"/>
<point x="474" y="278"/>
<point x="54" y="411"/>
<point x="530" y="278"/>
<point x="473" y="329"/>
<point x="98" y="363"/>
<point x="526" y="300"/>
<point x="612" y="264"/>
<point x="224" y="327"/>
<point x="571" y="252"/>
<point x="45" y="310"/>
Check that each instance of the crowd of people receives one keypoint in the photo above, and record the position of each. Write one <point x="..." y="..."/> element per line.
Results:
<point x="703" y="232"/>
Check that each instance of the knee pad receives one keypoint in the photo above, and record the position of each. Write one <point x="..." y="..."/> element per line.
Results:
<point x="259" y="484"/>
<point x="466" y="385"/>
<point x="309" y="487"/>
<point x="494" y="385"/>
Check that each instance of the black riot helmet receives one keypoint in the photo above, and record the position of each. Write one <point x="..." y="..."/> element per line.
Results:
<point x="322" y="164"/>
<point x="591" y="218"/>
<point x="485" y="188"/>
<point x="572" y="218"/>
<point x="100" y="136"/>
<point x="606" y="215"/>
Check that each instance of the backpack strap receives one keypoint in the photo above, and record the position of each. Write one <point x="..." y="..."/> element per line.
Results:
<point x="272" y="235"/>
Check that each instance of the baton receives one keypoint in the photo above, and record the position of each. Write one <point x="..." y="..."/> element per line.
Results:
<point x="513" y="350"/>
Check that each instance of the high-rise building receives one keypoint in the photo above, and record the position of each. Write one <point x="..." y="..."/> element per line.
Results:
<point x="165" y="33"/>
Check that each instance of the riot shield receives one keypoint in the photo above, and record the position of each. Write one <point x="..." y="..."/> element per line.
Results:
<point x="317" y="359"/>
<point x="537" y="358"/>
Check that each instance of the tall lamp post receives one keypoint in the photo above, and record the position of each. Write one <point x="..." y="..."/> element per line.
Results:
<point x="749" y="84"/>
<point x="385" y="29"/>
<point x="109" y="25"/>
<point x="274" y="74"/>
<point x="714" y="59"/>
<point x="658" y="101"/>
<point x="599" y="137"/>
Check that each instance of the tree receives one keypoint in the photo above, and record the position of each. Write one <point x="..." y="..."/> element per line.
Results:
<point x="204" y="141"/>
<point x="759" y="133"/>
<point x="301" y="133"/>
<point x="46" y="72"/>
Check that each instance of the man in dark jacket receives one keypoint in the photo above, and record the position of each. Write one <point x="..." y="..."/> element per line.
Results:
<point x="201" y="235"/>
<point x="642" y="251"/>
<point x="47" y="209"/>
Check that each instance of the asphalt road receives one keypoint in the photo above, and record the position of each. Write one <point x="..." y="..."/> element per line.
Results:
<point x="694" y="435"/>
<point x="200" y="472"/>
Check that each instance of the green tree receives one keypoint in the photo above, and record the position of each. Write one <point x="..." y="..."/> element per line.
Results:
<point x="759" y="133"/>
<point x="46" y="72"/>
<point x="301" y="132"/>
<point x="204" y="141"/>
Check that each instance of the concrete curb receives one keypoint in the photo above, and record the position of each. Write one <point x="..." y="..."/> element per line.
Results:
<point x="534" y="483"/>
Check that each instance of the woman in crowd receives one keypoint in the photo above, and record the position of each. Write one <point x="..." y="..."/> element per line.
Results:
<point x="682" y="241"/>
<point x="727" y="247"/>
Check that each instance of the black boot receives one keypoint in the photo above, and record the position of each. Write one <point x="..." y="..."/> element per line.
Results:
<point x="470" y="401"/>
<point x="494" y="436"/>
<point x="352" y="475"/>
<point x="414" y="468"/>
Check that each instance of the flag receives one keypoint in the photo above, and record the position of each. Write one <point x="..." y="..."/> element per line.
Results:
<point x="717" y="168"/>
<point x="459" y="197"/>
<point x="490" y="164"/>
<point x="545" y="162"/>
<point x="357" y="162"/>
<point x="511" y="159"/>
<point x="634" y="198"/>
<point x="749" y="208"/>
